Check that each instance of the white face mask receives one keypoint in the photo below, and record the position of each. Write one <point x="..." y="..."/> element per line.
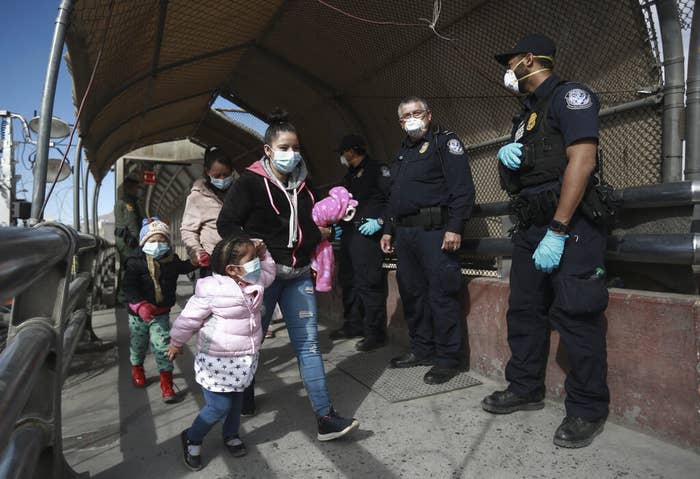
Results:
<point x="344" y="161"/>
<point x="286" y="161"/>
<point x="252" y="270"/>
<point x="414" y="127"/>
<point x="512" y="82"/>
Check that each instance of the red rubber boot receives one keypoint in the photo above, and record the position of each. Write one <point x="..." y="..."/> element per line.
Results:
<point x="138" y="376"/>
<point x="166" y="386"/>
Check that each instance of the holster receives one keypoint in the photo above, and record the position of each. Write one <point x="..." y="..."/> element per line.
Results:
<point x="537" y="209"/>
<point x="433" y="217"/>
<point x="601" y="204"/>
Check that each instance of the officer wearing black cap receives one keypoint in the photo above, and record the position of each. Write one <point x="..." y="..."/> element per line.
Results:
<point x="361" y="274"/>
<point x="432" y="196"/>
<point x="557" y="276"/>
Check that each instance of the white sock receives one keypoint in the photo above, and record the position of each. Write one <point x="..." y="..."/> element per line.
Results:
<point x="194" y="450"/>
<point x="234" y="441"/>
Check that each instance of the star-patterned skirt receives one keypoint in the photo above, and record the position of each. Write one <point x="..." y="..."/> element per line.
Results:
<point x="225" y="375"/>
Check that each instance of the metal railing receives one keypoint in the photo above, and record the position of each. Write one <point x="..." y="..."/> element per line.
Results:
<point x="51" y="272"/>
<point x="669" y="248"/>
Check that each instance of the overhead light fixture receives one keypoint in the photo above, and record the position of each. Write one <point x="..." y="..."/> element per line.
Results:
<point x="59" y="128"/>
<point x="57" y="170"/>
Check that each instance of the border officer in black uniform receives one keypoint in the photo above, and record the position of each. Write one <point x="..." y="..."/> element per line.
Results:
<point x="127" y="225"/>
<point x="361" y="273"/>
<point x="431" y="199"/>
<point x="557" y="274"/>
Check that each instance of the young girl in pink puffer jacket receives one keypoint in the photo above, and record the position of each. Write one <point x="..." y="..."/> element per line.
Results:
<point x="225" y="310"/>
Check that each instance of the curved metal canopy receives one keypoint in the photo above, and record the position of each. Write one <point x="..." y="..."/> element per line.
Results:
<point x="337" y="70"/>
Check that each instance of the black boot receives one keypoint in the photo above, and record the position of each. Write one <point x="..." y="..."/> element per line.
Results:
<point x="577" y="432"/>
<point x="369" y="344"/>
<point x="439" y="375"/>
<point x="343" y="333"/>
<point x="506" y="402"/>
<point x="410" y="360"/>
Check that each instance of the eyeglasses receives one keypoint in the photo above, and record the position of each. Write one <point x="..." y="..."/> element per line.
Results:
<point x="413" y="114"/>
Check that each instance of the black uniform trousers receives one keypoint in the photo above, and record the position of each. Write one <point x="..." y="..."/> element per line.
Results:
<point x="430" y="281"/>
<point x="571" y="300"/>
<point x="364" y="284"/>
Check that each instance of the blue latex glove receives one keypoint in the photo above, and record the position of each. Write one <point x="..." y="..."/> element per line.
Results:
<point x="369" y="227"/>
<point x="549" y="251"/>
<point x="337" y="233"/>
<point x="510" y="155"/>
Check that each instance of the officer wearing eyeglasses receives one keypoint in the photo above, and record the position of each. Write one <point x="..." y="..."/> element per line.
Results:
<point x="431" y="199"/>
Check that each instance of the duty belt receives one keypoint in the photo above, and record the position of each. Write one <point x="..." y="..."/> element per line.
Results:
<point x="433" y="217"/>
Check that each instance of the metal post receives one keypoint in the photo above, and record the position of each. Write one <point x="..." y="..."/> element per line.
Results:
<point x="42" y="148"/>
<point x="86" y="217"/>
<point x="692" y="124"/>
<point x="76" y="183"/>
<point x="95" y="199"/>
<point x="674" y="86"/>
<point x="7" y="171"/>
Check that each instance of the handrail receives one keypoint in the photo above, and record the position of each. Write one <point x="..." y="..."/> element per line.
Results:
<point x="662" y="195"/>
<point x="676" y="248"/>
<point x="23" y="451"/>
<point x="19" y="371"/>
<point x="27" y="254"/>
<point x="51" y="272"/>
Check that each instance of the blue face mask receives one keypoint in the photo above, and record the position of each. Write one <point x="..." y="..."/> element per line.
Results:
<point x="221" y="184"/>
<point x="157" y="249"/>
<point x="286" y="161"/>
<point x="252" y="270"/>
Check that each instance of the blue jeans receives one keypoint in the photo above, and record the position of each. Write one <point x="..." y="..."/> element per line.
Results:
<point x="218" y="406"/>
<point x="297" y="301"/>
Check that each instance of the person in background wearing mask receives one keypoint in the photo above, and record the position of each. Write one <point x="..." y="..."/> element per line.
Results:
<point x="361" y="274"/>
<point x="556" y="277"/>
<point x="272" y="202"/>
<point x="127" y="221"/>
<point x="202" y="209"/>
<point x="151" y="281"/>
<point x="432" y="196"/>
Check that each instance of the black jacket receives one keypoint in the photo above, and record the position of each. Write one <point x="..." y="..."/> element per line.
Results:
<point x="369" y="184"/>
<point x="432" y="171"/>
<point x="138" y="284"/>
<point x="256" y="207"/>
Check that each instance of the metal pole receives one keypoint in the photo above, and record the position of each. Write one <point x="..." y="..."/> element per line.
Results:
<point x="86" y="216"/>
<point x="7" y="171"/>
<point x="692" y="100"/>
<point x="76" y="183"/>
<point x="95" y="199"/>
<point x="42" y="148"/>
<point x="674" y="86"/>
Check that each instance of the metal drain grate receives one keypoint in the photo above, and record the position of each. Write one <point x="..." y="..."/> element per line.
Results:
<point x="396" y="385"/>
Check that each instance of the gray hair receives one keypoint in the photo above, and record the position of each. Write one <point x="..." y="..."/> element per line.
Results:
<point x="413" y="99"/>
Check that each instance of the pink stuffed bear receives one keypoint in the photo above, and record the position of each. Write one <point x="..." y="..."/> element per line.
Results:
<point x="338" y="206"/>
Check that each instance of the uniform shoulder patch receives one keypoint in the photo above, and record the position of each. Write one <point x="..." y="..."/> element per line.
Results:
<point x="385" y="170"/>
<point x="455" y="147"/>
<point x="578" y="99"/>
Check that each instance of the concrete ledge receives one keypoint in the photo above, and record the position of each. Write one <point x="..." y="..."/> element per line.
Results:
<point x="653" y="352"/>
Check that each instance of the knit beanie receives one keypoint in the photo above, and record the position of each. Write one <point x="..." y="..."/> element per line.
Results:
<point x="151" y="227"/>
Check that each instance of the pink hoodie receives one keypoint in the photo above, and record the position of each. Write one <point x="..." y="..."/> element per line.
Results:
<point x="226" y="315"/>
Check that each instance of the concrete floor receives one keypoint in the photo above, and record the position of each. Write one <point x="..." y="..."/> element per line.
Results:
<point x="112" y="430"/>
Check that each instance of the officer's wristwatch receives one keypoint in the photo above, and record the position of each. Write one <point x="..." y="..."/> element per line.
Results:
<point x="558" y="227"/>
